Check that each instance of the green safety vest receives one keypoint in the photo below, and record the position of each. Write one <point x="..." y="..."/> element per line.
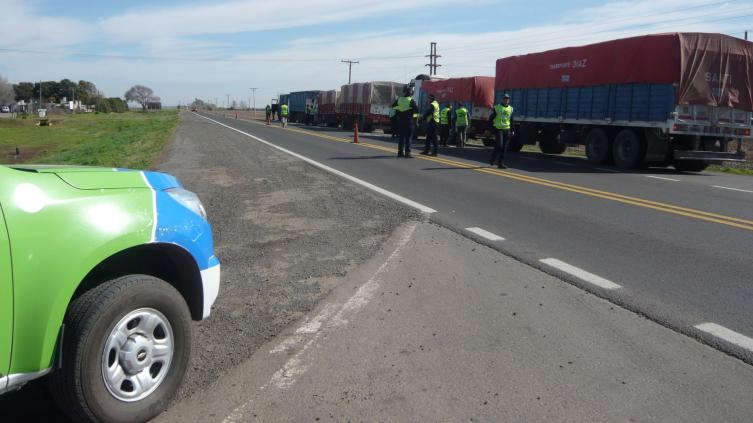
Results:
<point x="504" y="113"/>
<point x="268" y="109"/>
<point x="403" y="104"/>
<point x="435" y="117"/>
<point x="284" y="109"/>
<point x="444" y="116"/>
<point x="462" y="117"/>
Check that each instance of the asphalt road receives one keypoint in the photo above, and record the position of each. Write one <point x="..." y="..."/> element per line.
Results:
<point x="672" y="246"/>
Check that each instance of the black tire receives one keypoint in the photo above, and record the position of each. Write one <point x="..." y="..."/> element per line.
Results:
<point x="488" y="142"/>
<point x="515" y="144"/>
<point x="628" y="150"/>
<point x="690" y="165"/>
<point x="79" y="387"/>
<point x="598" y="147"/>
<point x="550" y="143"/>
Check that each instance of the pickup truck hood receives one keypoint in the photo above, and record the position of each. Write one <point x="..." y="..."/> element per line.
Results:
<point x="86" y="177"/>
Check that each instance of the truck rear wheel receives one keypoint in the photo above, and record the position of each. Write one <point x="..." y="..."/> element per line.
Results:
<point x="598" y="147"/>
<point x="628" y="150"/>
<point x="690" y="165"/>
<point x="551" y="143"/>
<point x="126" y="348"/>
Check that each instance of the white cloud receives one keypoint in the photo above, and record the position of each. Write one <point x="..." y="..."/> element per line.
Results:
<point x="23" y="26"/>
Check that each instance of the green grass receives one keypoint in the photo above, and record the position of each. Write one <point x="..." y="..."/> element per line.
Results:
<point x="730" y="169"/>
<point x="132" y="139"/>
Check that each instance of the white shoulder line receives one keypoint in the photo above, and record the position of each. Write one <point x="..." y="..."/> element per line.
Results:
<point x="485" y="234"/>
<point x="390" y="194"/>
<point x="727" y="334"/>
<point x="581" y="274"/>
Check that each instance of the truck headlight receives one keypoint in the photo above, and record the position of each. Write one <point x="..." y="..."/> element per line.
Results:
<point x="188" y="199"/>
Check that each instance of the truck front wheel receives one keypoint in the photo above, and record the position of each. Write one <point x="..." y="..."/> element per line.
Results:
<point x="598" y="147"/>
<point x="551" y="143"/>
<point x="628" y="150"/>
<point x="126" y="348"/>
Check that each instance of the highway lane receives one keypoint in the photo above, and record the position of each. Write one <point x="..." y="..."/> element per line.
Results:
<point x="681" y="268"/>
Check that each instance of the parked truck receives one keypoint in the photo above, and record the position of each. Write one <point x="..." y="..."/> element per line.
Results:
<point x="299" y="101"/>
<point x="328" y="114"/>
<point x="681" y="99"/>
<point x="476" y="93"/>
<point x="368" y="104"/>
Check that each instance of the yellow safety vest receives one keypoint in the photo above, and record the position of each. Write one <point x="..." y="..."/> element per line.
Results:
<point x="435" y="117"/>
<point x="504" y="113"/>
<point x="444" y="116"/>
<point x="284" y="109"/>
<point x="403" y="104"/>
<point x="462" y="117"/>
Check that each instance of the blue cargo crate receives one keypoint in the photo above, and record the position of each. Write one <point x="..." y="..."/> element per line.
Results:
<point x="617" y="102"/>
<point x="299" y="100"/>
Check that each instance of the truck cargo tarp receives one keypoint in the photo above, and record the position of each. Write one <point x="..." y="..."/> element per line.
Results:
<point x="478" y="90"/>
<point x="357" y="98"/>
<point x="707" y="69"/>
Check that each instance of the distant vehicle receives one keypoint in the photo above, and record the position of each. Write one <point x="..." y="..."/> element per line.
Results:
<point x="5" y="109"/>
<point x="193" y="108"/>
<point x="668" y="99"/>
<point x="101" y="272"/>
<point x="367" y="104"/>
<point x="299" y="101"/>
<point x="476" y="93"/>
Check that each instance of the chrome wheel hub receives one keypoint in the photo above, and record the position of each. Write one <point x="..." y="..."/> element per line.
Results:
<point x="137" y="354"/>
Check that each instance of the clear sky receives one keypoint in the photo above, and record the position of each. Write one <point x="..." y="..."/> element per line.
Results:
<point x="207" y="49"/>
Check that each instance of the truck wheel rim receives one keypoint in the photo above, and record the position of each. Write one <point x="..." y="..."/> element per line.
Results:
<point x="137" y="354"/>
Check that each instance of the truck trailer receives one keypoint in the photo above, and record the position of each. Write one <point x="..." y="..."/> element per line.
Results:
<point x="299" y="101"/>
<point x="368" y="104"/>
<point x="476" y="93"/>
<point x="328" y="114"/>
<point x="681" y="99"/>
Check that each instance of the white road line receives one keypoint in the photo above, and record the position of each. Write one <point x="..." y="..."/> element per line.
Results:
<point x="564" y="163"/>
<point x="606" y="169"/>
<point x="581" y="274"/>
<point x="732" y="189"/>
<point x="485" y="234"/>
<point x="726" y="334"/>
<point x="390" y="194"/>
<point x="662" y="178"/>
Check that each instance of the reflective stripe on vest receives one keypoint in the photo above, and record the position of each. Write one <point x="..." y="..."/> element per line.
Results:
<point x="403" y="104"/>
<point x="284" y="109"/>
<point x="462" y="117"/>
<point x="444" y="116"/>
<point x="504" y="113"/>
<point x="435" y="116"/>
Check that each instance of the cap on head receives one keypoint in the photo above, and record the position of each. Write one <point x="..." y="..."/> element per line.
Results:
<point x="507" y="96"/>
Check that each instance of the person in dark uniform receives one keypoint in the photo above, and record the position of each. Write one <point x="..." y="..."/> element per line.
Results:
<point x="431" y="117"/>
<point x="405" y="108"/>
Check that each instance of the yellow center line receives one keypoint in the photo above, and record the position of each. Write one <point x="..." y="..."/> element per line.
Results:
<point x="625" y="199"/>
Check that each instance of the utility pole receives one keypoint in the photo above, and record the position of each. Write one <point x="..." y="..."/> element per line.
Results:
<point x="40" y="94"/>
<point x="350" y="67"/>
<point x="253" y="91"/>
<point x="433" y="56"/>
<point x="227" y="105"/>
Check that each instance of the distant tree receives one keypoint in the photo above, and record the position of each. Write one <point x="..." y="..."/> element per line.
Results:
<point x="141" y="95"/>
<point x="86" y="91"/>
<point x="24" y="91"/>
<point x="7" y="94"/>
<point x="198" y="103"/>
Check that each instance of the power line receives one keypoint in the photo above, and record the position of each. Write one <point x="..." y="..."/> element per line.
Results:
<point x="350" y="67"/>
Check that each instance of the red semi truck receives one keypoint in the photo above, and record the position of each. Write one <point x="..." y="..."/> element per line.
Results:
<point x="368" y="104"/>
<point x="476" y="93"/>
<point x="327" y="108"/>
<point x="681" y="99"/>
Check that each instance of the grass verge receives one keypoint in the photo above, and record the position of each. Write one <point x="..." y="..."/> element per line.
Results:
<point x="131" y="139"/>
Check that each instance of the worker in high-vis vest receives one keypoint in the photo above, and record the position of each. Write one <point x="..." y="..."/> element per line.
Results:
<point x="405" y="107"/>
<point x="501" y="118"/>
<point x="267" y="113"/>
<point x="444" y="125"/>
<point x="284" y="115"/>
<point x="462" y="119"/>
<point x="432" y="122"/>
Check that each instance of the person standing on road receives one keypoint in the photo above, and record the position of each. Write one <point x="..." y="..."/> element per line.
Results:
<point x="268" y="113"/>
<point x="405" y="107"/>
<point x="501" y="118"/>
<point x="461" y="125"/>
<point x="431" y="117"/>
<point x="444" y="124"/>
<point x="284" y="115"/>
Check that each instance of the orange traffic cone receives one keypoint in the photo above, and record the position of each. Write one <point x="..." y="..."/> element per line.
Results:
<point x="355" y="133"/>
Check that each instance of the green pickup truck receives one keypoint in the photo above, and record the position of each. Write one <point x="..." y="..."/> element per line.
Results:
<point x="101" y="273"/>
